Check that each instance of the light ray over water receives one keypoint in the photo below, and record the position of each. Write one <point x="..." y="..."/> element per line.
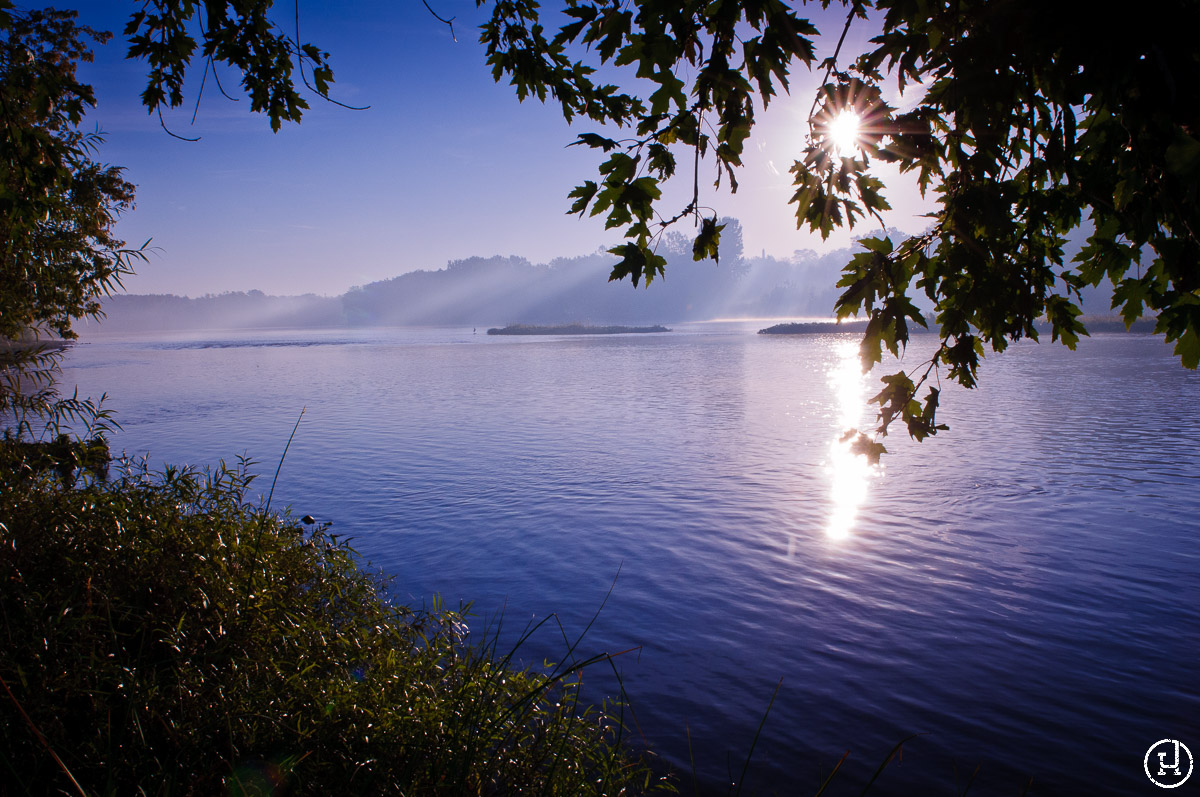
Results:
<point x="849" y="473"/>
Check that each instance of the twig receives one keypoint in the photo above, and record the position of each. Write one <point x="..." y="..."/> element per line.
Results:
<point x="832" y="60"/>
<point x="696" y="164"/>
<point x="304" y="77"/>
<point x="42" y="739"/>
<point x="449" y="22"/>
<point x="217" y="78"/>
<point x="163" y="124"/>
<point x="200" y="93"/>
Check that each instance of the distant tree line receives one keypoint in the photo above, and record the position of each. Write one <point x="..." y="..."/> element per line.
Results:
<point x="496" y="291"/>
<point x="232" y="310"/>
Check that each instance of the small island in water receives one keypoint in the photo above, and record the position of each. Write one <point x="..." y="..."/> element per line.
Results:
<point x="570" y="329"/>
<point x="813" y="328"/>
<point x="1106" y="324"/>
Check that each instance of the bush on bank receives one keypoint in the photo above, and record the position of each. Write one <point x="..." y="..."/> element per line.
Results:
<point x="161" y="635"/>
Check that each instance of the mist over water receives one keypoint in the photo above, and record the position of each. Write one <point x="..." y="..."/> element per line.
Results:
<point x="1022" y="590"/>
<point x="480" y="292"/>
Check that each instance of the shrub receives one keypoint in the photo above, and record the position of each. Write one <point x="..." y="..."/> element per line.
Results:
<point x="161" y="635"/>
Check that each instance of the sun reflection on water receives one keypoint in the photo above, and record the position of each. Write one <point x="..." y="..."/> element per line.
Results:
<point x="850" y="473"/>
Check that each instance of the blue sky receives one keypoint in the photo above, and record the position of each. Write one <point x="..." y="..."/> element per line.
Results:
<point x="446" y="164"/>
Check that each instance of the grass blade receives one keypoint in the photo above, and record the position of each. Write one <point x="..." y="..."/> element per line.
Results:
<point x="42" y="739"/>
<point x="829" y="779"/>
<point x="895" y="750"/>
<point x="757" y="734"/>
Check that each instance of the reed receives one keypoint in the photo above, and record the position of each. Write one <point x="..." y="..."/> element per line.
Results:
<point x="135" y="660"/>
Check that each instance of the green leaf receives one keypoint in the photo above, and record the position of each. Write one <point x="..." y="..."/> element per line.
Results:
<point x="1183" y="156"/>
<point x="1187" y="348"/>
<point x="707" y="243"/>
<point x="637" y="262"/>
<point x="1131" y="295"/>
<point x="583" y="195"/>
<point x="670" y="93"/>
<point x="861" y="444"/>
<point x="881" y="245"/>
<point x="596" y="141"/>
<point x="1063" y="316"/>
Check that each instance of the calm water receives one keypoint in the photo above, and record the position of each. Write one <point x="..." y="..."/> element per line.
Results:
<point x="1024" y="591"/>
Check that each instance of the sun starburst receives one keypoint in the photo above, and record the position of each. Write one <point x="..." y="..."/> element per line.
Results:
<point x="842" y="134"/>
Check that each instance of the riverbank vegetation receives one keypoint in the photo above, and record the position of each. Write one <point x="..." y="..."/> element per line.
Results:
<point x="164" y="635"/>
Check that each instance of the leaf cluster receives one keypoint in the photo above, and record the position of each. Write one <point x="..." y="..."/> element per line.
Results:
<point x="161" y="635"/>
<point x="231" y="32"/>
<point x="62" y="455"/>
<point x="704" y="65"/>
<point x="1030" y="121"/>
<point x="1025" y="134"/>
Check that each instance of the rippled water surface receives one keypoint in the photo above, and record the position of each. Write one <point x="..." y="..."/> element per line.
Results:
<point x="1024" y="591"/>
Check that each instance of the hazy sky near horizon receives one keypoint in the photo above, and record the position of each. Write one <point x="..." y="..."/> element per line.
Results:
<point x="446" y="163"/>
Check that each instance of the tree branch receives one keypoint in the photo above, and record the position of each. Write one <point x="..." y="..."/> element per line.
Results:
<point x="449" y="22"/>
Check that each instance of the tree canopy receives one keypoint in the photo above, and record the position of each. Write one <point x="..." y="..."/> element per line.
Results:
<point x="57" y="204"/>
<point x="1033" y="119"/>
<point x="58" y="207"/>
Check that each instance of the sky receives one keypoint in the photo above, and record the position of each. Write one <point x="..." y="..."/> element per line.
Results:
<point x="446" y="163"/>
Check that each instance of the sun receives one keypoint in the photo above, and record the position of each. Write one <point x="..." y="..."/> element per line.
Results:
<point x="842" y="134"/>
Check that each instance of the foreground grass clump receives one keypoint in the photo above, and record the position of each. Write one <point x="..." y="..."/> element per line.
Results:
<point x="160" y="635"/>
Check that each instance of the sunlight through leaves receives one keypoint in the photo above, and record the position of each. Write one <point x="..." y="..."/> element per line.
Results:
<point x="843" y="134"/>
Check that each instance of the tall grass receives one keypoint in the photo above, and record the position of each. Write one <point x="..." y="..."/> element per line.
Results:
<point x="161" y="635"/>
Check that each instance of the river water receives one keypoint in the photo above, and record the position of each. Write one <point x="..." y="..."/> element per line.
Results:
<point x="1023" y="591"/>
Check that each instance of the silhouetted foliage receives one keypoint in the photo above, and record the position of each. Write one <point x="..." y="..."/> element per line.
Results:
<point x="57" y="205"/>
<point x="1032" y="119"/>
